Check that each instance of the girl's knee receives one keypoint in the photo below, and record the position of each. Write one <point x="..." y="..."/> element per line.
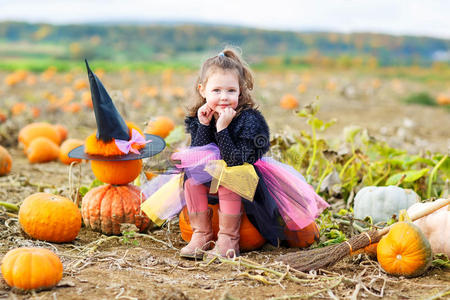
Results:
<point x="191" y="184"/>
<point x="224" y="192"/>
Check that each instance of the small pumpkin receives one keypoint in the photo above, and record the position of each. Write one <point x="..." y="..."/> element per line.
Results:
<point x="113" y="172"/>
<point x="443" y="99"/>
<point x="250" y="238"/>
<point x="5" y="161"/>
<point x="42" y="149"/>
<point x="28" y="133"/>
<point x="288" y="101"/>
<point x="49" y="217"/>
<point x="161" y="126"/>
<point x="370" y="250"/>
<point x="404" y="251"/>
<point x="302" y="238"/>
<point x="436" y="227"/>
<point x="382" y="202"/>
<point x="105" y="207"/>
<point x="62" y="131"/>
<point x="31" y="268"/>
<point x="66" y="147"/>
<point x="116" y="172"/>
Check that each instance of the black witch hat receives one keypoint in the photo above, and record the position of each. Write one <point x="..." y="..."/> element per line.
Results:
<point x="110" y="125"/>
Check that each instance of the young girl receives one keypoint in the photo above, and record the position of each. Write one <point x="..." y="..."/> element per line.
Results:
<point x="225" y="125"/>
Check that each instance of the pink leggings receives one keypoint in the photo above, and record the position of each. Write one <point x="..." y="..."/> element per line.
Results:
<point x="197" y="200"/>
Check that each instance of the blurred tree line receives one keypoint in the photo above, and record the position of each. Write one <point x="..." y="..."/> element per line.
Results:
<point x="164" y="42"/>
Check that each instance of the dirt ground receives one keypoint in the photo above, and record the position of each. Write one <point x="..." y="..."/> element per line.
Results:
<point x="148" y="267"/>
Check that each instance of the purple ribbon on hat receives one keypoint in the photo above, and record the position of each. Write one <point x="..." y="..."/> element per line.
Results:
<point x="136" y="138"/>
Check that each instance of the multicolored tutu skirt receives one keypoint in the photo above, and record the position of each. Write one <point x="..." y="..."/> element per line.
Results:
<point x="275" y="196"/>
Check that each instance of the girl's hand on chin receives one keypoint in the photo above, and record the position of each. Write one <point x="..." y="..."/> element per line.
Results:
<point x="225" y="118"/>
<point x="205" y="114"/>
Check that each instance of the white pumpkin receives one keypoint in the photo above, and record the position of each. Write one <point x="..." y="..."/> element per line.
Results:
<point x="381" y="202"/>
<point x="436" y="227"/>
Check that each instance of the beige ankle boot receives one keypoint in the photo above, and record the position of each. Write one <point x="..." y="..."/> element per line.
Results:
<point x="202" y="234"/>
<point x="227" y="244"/>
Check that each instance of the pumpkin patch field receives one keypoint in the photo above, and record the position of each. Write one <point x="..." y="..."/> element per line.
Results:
<point x="345" y="130"/>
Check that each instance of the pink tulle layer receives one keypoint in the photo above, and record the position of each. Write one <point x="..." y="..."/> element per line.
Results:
<point x="297" y="202"/>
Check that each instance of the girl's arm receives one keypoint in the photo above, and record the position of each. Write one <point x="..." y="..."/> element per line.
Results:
<point x="248" y="142"/>
<point x="200" y="134"/>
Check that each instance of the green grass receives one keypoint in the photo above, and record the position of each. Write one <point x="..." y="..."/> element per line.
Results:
<point x="40" y="65"/>
<point x="422" y="98"/>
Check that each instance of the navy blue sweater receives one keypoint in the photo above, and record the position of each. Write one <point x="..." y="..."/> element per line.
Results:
<point x="246" y="138"/>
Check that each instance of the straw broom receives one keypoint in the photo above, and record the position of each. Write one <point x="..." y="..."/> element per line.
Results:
<point x="328" y="256"/>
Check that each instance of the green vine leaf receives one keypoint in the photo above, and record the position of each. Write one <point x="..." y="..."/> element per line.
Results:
<point x="411" y="176"/>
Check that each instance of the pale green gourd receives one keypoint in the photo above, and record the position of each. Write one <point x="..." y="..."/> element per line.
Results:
<point x="381" y="202"/>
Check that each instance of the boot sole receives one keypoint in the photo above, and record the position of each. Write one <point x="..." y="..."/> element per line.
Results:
<point x="198" y="256"/>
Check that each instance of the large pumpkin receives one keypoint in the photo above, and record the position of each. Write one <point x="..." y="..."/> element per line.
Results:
<point x="105" y="207"/>
<point x="435" y="227"/>
<point x="31" y="268"/>
<point x="404" y="251"/>
<point x="250" y="238"/>
<point x="5" y="161"/>
<point x="302" y="238"/>
<point x="49" y="217"/>
<point x="382" y="202"/>
<point x="116" y="172"/>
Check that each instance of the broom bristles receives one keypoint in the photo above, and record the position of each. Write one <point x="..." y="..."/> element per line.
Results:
<point x="328" y="256"/>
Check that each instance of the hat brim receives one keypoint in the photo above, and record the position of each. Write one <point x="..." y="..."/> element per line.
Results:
<point x="154" y="147"/>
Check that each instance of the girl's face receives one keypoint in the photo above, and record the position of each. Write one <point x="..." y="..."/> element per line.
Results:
<point x="221" y="90"/>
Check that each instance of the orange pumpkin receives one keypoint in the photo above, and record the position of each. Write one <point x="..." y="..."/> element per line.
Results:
<point x="370" y="250"/>
<point x="18" y="108"/>
<point x="42" y="149"/>
<point x="62" y="131"/>
<point x="28" y="133"/>
<point x="116" y="172"/>
<point x="87" y="100"/>
<point x="161" y="126"/>
<point x="80" y="84"/>
<point x="288" y="101"/>
<point x="443" y="99"/>
<point x="3" y="116"/>
<point x="5" y="161"/>
<point x="31" y="268"/>
<point x="113" y="172"/>
<point x="49" y="217"/>
<point x="105" y="207"/>
<point x="250" y="238"/>
<point x="404" y="251"/>
<point x="66" y="147"/>
<point x="302" y="238"/>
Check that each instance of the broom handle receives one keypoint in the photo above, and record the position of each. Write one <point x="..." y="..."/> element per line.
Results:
<point x="421" y="213"/>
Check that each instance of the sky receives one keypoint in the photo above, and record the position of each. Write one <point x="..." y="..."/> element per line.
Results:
<point x="398" y="17"/>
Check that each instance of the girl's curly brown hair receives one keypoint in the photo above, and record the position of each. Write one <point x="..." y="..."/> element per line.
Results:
<point x="228" y="59"/>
